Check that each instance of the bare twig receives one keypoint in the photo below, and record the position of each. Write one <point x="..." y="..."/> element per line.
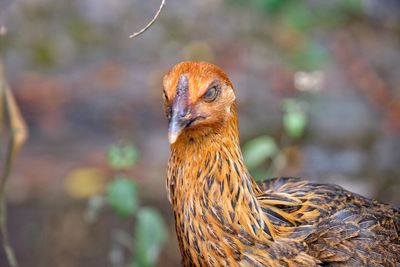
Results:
<point x="17" y="135"/>
<point x="12" y="261"/>
<point x="133" y="35"/>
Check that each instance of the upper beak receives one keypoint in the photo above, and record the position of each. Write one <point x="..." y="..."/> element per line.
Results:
<point x="180" y="111"/>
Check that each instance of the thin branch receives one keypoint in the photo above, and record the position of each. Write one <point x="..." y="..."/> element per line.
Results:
<point x="12" y="261"/>
<point x="17" y="134"/>
<point x="10" y="145"/>
<point x="133" y="35"/>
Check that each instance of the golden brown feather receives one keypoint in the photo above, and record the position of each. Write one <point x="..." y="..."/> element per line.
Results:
<point x="224" y="218"/>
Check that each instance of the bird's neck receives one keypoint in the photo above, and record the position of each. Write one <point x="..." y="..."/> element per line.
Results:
<point x="208" y="181"/>
<point x="210" y="152"/>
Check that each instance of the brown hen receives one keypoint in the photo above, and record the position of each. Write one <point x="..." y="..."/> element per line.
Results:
<point x="224" y="218"/>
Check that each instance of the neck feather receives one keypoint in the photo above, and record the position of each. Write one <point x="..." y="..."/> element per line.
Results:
<point x="215" y="201"/>
<point x="207" y="174"/>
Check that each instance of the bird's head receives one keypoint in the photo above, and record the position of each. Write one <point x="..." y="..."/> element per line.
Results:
<point x="198" y="97"/>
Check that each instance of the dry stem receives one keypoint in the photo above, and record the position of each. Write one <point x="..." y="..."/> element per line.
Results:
<point x="13" y="120"/>
<point x="133" y="35"/>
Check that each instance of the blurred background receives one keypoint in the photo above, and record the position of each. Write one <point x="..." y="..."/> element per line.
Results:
<point x="318" y="89"/>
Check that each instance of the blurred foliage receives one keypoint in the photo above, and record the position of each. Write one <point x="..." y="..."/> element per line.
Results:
<point x="295" y="120"/>
<point x="122" y="195"/>
<point x="43" y="53"/>
<point x="304" y="14"/>
<point x="299" y="22"/>
<point x="150" y="236"/>
<point x="297" y="28"/>
<point x="122" y="156"/>
<point x="298" y="16"/>
<point x="257" y="150"/>
<point x="264" y="155"/>
<point x="58" y="33"/>
<point x="84" y="182"/>
<point x="312" y="57"/>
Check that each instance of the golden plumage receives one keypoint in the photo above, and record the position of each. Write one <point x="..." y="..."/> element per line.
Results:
<point x="224" y="218"/>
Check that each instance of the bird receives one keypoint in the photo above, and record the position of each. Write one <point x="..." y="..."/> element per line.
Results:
<point x="225" y="218"/>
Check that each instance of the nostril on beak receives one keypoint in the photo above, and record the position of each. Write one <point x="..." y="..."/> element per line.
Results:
<point x="182" y="113"/>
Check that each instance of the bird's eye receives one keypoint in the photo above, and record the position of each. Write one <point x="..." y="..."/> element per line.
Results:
<point x="211" y="94"/>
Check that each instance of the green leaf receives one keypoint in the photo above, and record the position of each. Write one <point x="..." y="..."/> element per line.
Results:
<point x="351" y="7"/>
<point x="150" y="236"/>
<point x="122" y="156"/>
<point x="256" y="151"/>
<point x="122" y="196"/>
<point x="271" y="6"/>
<point x="298" y="16"/>
<point x="259" y="174"/>
<point x="312" y="57"/>
<point x="295" y="120"/>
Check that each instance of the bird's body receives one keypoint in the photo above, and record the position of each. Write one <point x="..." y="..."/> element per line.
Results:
<point x="224" y="218"/>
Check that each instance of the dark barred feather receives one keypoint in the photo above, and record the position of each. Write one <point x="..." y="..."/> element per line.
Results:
<point x="224" y="218"/>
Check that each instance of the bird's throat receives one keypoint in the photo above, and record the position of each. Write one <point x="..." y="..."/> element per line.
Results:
<point x="208" y="183"/>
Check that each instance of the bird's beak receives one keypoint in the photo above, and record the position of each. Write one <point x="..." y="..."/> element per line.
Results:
<point x="180" y="111"/>
<point x="176" y="127"/>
